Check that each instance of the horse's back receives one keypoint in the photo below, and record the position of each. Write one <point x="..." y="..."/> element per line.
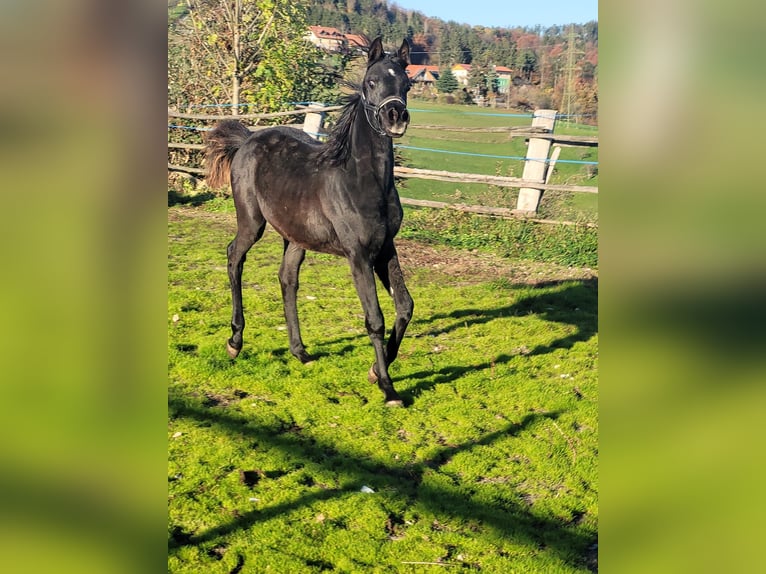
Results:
<point x="278" y="146"/>
<point x="276" y="163"/>
<point x="278" y="169"/>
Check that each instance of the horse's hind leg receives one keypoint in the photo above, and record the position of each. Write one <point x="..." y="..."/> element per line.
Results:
<point x="250" y="227"/>
<point x="288" y="279"/>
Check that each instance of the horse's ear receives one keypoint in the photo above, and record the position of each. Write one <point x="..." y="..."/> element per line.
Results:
<point x="404" y="53"/>
<point x="376" y="51"/>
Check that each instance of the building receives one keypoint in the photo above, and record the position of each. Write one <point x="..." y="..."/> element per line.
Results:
<point x="356" y="42"/>
<point x="504" y="78"/>
<point x="330" y="39"/>
<point x="461" y="73"/>
<point x="503" y="73"/>
<point x="422" y="77"/>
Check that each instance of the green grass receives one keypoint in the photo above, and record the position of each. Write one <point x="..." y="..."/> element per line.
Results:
<point x="465" y="116"/>
<point x="176" y="11"/>
<point x="566" y="245"/>
<point x="492" y="466"/>
<point x="576" y="206"/>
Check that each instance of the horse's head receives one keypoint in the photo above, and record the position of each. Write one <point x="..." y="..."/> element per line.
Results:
<point x="384" y="89"/>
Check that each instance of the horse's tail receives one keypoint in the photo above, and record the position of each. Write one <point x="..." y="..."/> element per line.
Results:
<point x="221" y="143"/>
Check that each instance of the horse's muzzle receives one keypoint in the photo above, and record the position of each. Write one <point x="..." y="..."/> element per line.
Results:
<point x="393" y="116"/>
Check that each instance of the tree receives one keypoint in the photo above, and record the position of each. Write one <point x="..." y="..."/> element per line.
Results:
<point x="450" y="47"/>
<point x="243" y="51"/>
<point x="447" y="82"/>
<point x="483" y="78"/>
<point x="527" y="63"/>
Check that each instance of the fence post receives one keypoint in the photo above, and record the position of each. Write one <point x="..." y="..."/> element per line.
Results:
<point x="314" y="123"/>
<point x="536" y="164"/>
<point x="552" y="162"/>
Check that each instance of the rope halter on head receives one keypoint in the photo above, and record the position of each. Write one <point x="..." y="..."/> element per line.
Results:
<point x="374" y="121"/>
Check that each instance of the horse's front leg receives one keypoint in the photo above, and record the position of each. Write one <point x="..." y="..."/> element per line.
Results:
<point x="390" y="274"/>
<point x="364" y="281"/>
<point x="288" y="280"/>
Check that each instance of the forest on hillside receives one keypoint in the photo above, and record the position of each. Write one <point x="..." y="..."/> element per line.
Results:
<point x="554" y="67"/>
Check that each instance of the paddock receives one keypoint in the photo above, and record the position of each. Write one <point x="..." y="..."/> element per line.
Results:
<point x="295" y="468"/>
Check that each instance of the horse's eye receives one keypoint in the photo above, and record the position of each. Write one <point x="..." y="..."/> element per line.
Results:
<point x="371" y="83"/>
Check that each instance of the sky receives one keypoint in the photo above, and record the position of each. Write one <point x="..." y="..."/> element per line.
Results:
<point x="506" y="13"/>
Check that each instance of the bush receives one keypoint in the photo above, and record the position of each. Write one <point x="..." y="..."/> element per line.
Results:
<point x="531" y="98"/>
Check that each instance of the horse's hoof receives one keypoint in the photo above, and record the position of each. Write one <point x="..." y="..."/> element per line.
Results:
<point x="233" y="353"/>
<point x="395" y="403"/>
<point x="371" y="376"/>
<point x="304" y="357"/>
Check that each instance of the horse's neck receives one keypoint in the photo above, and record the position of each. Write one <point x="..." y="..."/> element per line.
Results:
<point x="372" y="147"/>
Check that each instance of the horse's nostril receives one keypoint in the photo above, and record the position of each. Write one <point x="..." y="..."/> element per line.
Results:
<point x="405" y="116"/>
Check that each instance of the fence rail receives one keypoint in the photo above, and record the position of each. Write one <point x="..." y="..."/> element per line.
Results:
<point x="215" y="117"/>
<point x="466" y="129"/>
<point x="588" y="141"/>
<point x="497" y="180"/>
<point x="175" y="145"/>
<point x="504" y="212"/>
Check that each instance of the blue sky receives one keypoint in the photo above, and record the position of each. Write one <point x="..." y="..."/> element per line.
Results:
<point x="506" y="13"/>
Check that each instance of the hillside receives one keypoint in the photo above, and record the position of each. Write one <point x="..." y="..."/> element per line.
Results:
<point x="553" y="64"/>
<point x="554" y="67"/>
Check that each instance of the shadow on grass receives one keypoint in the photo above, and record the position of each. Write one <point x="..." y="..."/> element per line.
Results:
<point x="176" y="198"/>
<point x="314" y="355"/>
<point x="429" y="379"/>
<point x="576" y="304"/>
<point x="510" y="519"/>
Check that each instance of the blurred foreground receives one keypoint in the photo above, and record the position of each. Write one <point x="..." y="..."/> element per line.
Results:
<point x="84" y="296"/>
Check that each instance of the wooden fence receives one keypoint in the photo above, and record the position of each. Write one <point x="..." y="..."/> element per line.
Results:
<point x="538" y="165"/>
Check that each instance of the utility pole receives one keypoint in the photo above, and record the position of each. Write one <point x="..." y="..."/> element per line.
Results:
<point x="570" y="70"/>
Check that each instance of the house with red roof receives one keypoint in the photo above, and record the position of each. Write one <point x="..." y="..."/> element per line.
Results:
<point x="356" y="42"/>
<point x="422" y="77"/>
<point x="421" y="73"/>
<point x="327" y="38"/>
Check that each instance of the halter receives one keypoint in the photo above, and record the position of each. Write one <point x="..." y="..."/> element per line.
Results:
<point x="374" y="121"/>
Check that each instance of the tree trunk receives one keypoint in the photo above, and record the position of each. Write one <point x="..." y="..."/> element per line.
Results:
<point x="235" y="94"/>
<point x="237" y="52"/>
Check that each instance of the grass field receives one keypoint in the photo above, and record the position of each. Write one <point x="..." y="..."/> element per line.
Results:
<point x="576" y="206"/>
<point x="274" y="466"/>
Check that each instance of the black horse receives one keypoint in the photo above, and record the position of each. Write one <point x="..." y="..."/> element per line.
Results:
<point x="337" y="197"/>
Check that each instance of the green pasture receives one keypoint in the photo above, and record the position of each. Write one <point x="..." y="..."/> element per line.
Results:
<point x="275" y="466"/>
<point x="576" y="206"/>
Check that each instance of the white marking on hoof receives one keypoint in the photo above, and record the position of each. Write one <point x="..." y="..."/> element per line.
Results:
<point x="371" y="376"/>
<point x="231" y="350"/>
<point x="395" y="403"/>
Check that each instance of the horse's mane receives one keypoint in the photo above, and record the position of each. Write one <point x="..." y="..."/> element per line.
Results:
<point x="337" y="149"/>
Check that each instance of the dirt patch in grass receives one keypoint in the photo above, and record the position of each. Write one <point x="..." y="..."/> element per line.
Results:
<point x="223" y="218"/>
<point x="474" y="267"/>
<point x="465" y="266"/>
